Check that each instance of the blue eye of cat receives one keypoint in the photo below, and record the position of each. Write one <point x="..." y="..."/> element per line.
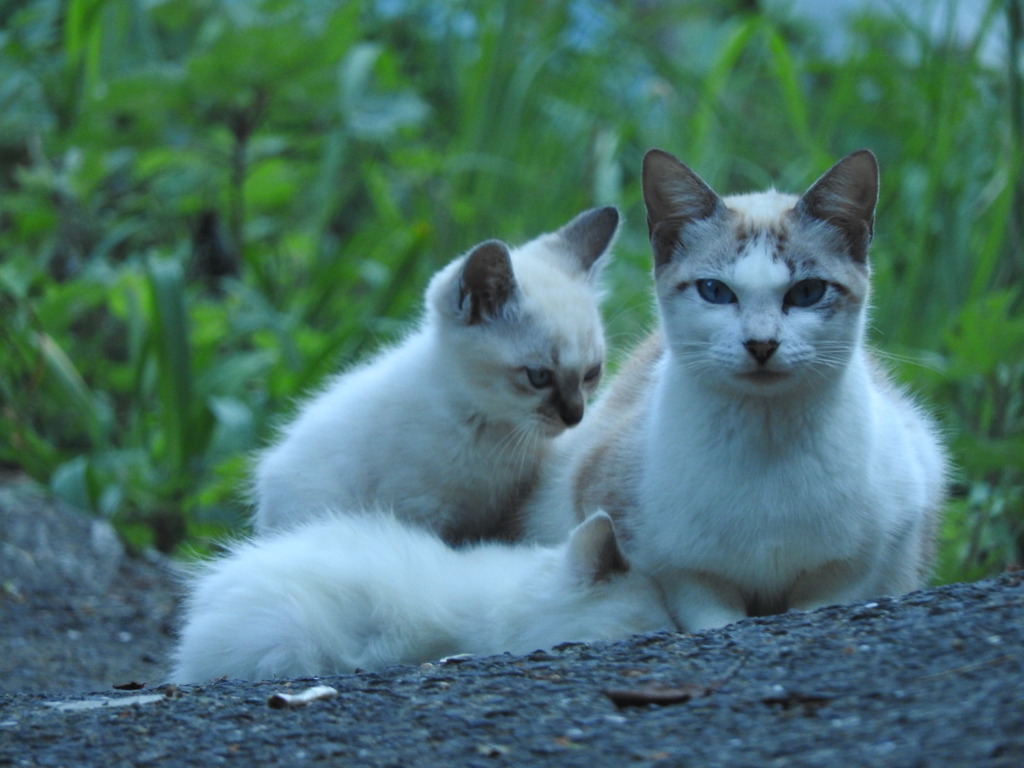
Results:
<point x="540" y="377"/>
<point x="715" y="292"/>
<point x="806" y="293"/>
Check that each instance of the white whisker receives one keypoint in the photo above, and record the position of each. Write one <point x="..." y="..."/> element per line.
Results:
<point x="928" y="363"/>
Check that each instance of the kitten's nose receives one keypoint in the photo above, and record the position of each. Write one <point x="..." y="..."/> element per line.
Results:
<point x="571" y="411"/>
<point x="761" y="350"/>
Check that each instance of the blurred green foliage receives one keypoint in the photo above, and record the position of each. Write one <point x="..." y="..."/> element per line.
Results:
<point x="206" y="206"/>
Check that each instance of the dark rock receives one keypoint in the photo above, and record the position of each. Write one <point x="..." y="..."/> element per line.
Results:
<point x="76" y="613"/>
<point x="48" y="547"/>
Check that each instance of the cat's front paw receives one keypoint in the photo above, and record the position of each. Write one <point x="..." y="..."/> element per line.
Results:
<point x="701" y="602"/>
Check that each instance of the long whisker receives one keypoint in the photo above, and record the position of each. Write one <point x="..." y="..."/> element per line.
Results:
<point x="518" y="447"/>
<point x="926" y="362"/>
<point x="510" y="442"/>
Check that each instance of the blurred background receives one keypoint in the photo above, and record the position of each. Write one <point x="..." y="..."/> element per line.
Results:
<point x="206" y="206"/>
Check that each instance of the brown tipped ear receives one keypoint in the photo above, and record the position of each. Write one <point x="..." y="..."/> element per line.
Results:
<point x="487" y="282"/>
<point x="594" y="550"/>
<point x="845" y="197"/>
<point x="674" y="196"/>
<point x="589" y="236"/>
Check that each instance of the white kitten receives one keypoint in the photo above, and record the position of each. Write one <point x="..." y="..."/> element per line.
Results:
<point x="751" y="452"/>
<point x="357" y="591"/>
<point x="450" y="427"/>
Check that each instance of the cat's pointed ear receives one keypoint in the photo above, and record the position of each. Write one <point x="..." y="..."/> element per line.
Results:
<point x="486" y="284"/>
<point x="845" y="197"/>
<point x="589" y="236"/>
<point x="674" y="196"/>
<point x="594" y="550"/>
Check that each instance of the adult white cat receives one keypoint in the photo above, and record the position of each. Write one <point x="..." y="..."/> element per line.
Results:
<point x="751" y="452"/>
<point x="359" y="591"/>
<point x="450" y="427"/>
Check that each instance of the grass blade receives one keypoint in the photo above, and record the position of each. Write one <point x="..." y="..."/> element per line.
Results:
<point x="170" y="340"/>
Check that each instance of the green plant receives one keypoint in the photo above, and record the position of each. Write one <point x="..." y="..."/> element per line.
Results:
<point x="982" y="390"/>
<point x="206" y="207"/>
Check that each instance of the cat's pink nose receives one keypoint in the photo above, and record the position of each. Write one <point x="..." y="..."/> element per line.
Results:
<point x="761" y="350"/>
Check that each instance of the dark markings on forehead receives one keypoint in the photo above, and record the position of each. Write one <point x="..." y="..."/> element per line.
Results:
<point x="719" y="242"/>
<point x="774" y="232"/>
<point x="774" y="236"/>
<point x="797" y="249"/>
<point x="809" y="264"/>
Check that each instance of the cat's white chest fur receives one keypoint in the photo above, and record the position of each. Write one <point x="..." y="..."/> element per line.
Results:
<point x="750" y="506"/>
<point x="733" y="477"/>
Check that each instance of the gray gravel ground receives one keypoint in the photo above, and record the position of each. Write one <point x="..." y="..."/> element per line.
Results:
<point x="76" y="613"/>
<point x="935" y="678"/>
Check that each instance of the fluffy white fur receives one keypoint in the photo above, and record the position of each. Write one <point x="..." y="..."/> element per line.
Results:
<point x="354" y="591"/>
<point x="449" y="428"/>
<point x="751" y="452"/>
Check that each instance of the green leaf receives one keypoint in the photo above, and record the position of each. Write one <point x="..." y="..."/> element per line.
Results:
<point x="171" y="345"/>
<point x="235" y="430"/>
<point x="82" y="403"/>
<point x="74" y="481"/>
<point x="987" y="335"/>
<point x="370" y="113"/>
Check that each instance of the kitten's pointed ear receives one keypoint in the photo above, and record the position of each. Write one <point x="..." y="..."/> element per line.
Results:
<point x="674" y="195"/>
<point x="589" y="236"/>
<point x="487" y="283"/>
<point x="845" y="196"/>
<point x="594" y="550"/>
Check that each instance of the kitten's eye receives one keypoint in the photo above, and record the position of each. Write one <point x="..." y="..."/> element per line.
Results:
<point x="592" y="375"/>
<point x="540" y="377"/>
<point x="716" y="292"/>
<point x="806" y="293"/>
